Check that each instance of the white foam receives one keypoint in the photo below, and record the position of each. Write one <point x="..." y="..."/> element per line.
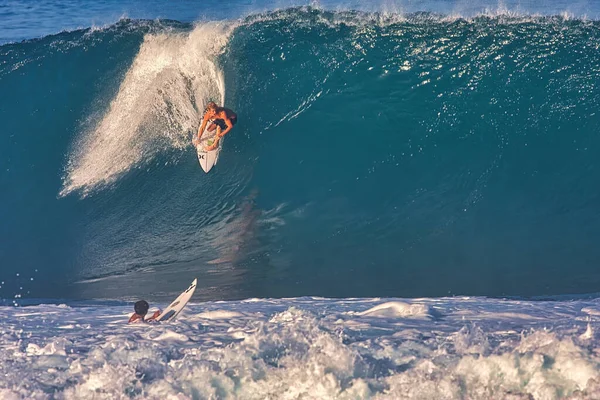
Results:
<point x="53" y="348"/>
<point x="171" y="336"/>
<point x="157" y="106"/>
<point x="590" y="311"/>
<point x="396" y="309"/>
<point x="9" y="395"/>
<point x="588" y="334"/>
<point x="219" y="314"/>
<point x="306" y="348"/>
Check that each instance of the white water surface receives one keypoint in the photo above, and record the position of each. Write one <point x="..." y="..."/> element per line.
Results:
<point x="305" y="348"/>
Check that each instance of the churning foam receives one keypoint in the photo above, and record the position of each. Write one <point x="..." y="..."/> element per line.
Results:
<point x="171" y="79"/>
<point x="305" y="348"/>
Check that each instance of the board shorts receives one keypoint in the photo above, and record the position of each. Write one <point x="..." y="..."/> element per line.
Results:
<point x="221" y="122"/>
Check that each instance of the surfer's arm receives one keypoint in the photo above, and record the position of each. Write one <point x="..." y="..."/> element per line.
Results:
<point x="154" y="316"/>
<point x="229" y="126"/>
<point x="135" y="318"/>
<point x="219" y="134"/>
<point x="202" y="126"/>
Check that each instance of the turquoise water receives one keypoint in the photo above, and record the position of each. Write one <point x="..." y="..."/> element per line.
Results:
<point x="401" y="153"/>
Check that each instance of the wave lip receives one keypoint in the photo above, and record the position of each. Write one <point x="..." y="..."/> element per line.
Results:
<point x="20" y="23"/>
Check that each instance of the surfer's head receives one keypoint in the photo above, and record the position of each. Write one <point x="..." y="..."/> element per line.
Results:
<point x="141" y="307"/>
<point x="211" y="106"/>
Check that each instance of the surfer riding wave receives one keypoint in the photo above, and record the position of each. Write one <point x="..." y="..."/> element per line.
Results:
<point x="222" y="119"/>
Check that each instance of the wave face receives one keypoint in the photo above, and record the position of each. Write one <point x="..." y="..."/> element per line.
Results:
<point x="376" y="154"/>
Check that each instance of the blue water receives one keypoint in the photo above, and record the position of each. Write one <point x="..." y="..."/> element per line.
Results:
<point x="399" y="149"/>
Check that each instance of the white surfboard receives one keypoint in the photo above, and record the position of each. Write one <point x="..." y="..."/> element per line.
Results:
<point x="208" y="159"/>
<point x="171" y="312"/>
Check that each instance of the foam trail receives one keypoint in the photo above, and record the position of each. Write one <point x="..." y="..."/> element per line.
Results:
<point x="171" y="78"/>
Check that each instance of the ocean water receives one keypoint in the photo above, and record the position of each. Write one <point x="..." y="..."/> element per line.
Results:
<point x="407" y="208"/>
<point x="306" y="348"/>
<point x="377" y="154"/>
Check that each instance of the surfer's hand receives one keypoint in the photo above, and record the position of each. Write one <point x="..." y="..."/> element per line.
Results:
<point x="195" y="140"/>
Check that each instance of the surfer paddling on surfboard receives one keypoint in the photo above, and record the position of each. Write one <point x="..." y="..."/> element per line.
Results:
<point x="141" y="309"/>
<point x="222" y="119"/>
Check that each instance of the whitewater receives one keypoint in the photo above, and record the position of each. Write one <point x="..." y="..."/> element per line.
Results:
<point x="407" y="208"/>
<point x="306" y="348"/>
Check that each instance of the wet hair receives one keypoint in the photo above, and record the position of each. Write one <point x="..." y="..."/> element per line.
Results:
<point x="141" y="307"/>
<point x="211" y="106"/>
